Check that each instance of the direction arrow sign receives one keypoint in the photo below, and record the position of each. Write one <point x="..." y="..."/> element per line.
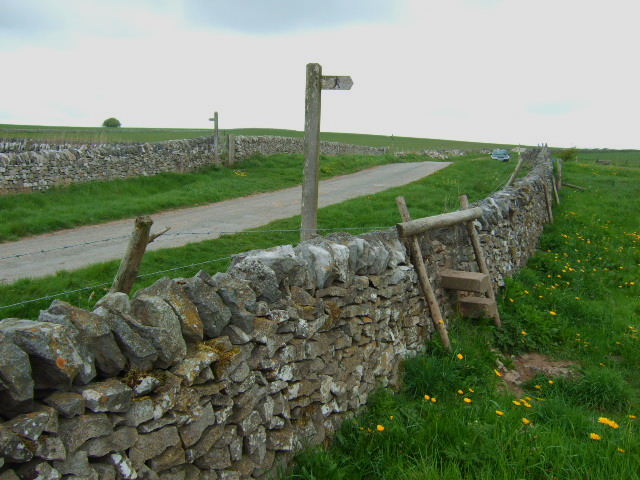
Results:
<point x="335" y="82"/>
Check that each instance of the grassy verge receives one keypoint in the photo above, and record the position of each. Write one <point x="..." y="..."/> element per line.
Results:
<point x="431" y="195"/>
<point x="577" y="300"/>
<point x="95" y="202"/>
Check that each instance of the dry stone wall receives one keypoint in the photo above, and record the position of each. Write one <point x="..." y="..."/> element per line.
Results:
<point x="247" y="146"/>
<point x="226" y="376"/>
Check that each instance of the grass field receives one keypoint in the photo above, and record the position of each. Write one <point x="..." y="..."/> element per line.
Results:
<point x="578" y="300"/>
<point x="108" y="135"/>
<point x="620" y="158"/>
<point x="90" y="203"/>
<point x="431" y="195"/>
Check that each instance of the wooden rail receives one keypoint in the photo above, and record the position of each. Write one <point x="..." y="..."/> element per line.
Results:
<point x="422" y="225"/>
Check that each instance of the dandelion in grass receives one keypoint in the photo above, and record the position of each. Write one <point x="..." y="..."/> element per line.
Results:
<point x="391" y="417"/>
<point x="608" y="421"/>
<point x="497" y="372"/>
<point x="524" y="332"/>
<point x="434" y="399"/>
<point x="632" y="417"/>
<point x="472" y="390"/>
<point x="621" y="450"/>
<point x="551" y="312"/>
<point x="460" y="356"/>
<point x="595" y="436"/>
<point x="516" y="402"/>
<point x="380" y="428"/>
<point x="427" y="397"/>
<point x="467" y="400"/>
<point x="526" y="421"/>
<point x="460" y="392"/>
<point x="551" y="382"/>
<point x="499" y="413"/>
<point x="539" y="387"/>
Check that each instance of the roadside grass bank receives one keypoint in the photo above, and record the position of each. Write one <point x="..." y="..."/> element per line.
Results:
<point x="577" y="300"/>
<point x="78" y="204"/>
<point x="431" y="195"/>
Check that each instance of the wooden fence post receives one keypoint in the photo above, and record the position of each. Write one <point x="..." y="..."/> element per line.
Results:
<point x="425" y="284"/>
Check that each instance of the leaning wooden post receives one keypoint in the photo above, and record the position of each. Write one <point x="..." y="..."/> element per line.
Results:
<point x="477" y="250"/>
<point x="555" y="190"/>
<point x="425" y="284"/>
<point x="513" y="176"/>
<point x="547" y="200"/>
<point x="128" y="271"/>
<point x="559" y="183"/>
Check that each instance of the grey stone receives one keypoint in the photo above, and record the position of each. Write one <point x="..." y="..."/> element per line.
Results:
<point x="262" y="279"/>
<point x="30" y="425"/>
<point x="206" y="442"/>
<point x="141" y="411"/>
<point x="215" y="315"/>
<point x="77" y="430"/>
<point x="11" y="475"/>
<point x="38" y="470"/>
<point x="75" y="464"/>
<point x="93" y="334"/>
<point x="250" y="423"/>
<point x="145" y="384"/>
<point x="160" y="325"/>
<point x="239" y="297"/>
<point x="282" y="440"/>
<point x="53" y="352"/>
<point x="236" y="335"/>
<point x="192" y="432"/>
<point x="153" y="444"/>
<point x="228" y="475"/>
<point x="140" y="353"/>
<point x="68" y="404"/>
<point x="171" y="457"/>
<point x="214" y="459"/>
<point x="282" y="260"/>
<point x="109" y="396"/>
<point x="50" y="448"/>
<point x="256" y="444"/>
<point x="12" y="447"/>
<point x="174" y="474"/>
<point x="190" y="367"/>
<point x="121" y="439"/>
<point x="15" y="370"/>
<point x="124" y="466"/>
<point x="105" y="471"/>
<point x="173" y="292"/>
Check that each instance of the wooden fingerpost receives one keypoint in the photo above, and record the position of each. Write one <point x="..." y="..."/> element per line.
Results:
<point x="425" y="284"/>
<point x="128" y="271"/>
<point x="480" y="260"/>
<point x="316" y="82"/>
<point x="513" y="176"/>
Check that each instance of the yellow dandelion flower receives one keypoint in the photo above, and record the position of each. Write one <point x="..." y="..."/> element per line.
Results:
<point x="460" y="356"/>
<point x="434" y="399"/>
<point x="538" y="387"/>
<point x="511" y="300"/>
<point x="391" y="417"/>
<point x="467" y="400"/>
<point x="551" y="382"/>
<point x="472" y="390"/>
<point x="594" y="436"/>
<point x="380" y="428"/>
<point x="427" y="397"/>
<point x="621" y="450"/>
<point x="499" y="413"/>
<point x="632" y="417"/>
<point x="527" y="404"/>
<point x="497" y="372"/>
<point x="552" y="312"/>
<point x="526" y="292"/>
<point x="516" y="402"/>
<point x="460" y="392"/>
<point x="526" y="421"/>
<point x="523" y="332"/>
<point x="608" y="421"/>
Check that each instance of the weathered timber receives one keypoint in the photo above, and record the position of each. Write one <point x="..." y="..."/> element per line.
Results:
<point x="571" y="185"/>
<point x="514" y="175"/>
<point x="477" y="307"/>
<point x="336" y="82"/>
<point x="311" y="151"/>
<point x="422" y="225"/>
<point x="480" y="258"/>
<point x="465" y="281"/>
<point x="548" y="201"/>
<point x="559" y="183"/>
<point x="555" y="190"/>
<point x="423" y="277"/>
<point x="128" y="271"/>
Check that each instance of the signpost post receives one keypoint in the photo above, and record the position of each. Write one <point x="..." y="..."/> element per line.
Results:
<point x="315" y="84"/>
<point x="216" y="138"/>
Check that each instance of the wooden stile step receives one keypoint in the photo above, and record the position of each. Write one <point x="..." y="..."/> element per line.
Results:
<point x="478" y="307"/>
<point x="466" y="281"/>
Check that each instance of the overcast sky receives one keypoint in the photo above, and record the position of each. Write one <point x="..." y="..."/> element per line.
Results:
<point x="518" y="71"/>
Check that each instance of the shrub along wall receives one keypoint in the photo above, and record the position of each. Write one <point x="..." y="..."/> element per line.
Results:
<point x="225" y="377"/>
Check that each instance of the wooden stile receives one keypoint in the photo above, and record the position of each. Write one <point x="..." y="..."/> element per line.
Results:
<point x="422" y="225"/>
<point x="425" y="284"/>
<point x="479" y="254"/>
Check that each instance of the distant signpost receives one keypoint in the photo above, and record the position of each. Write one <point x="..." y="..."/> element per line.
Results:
<point x="216" y="139"/>
<point x="315" y="84"/>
